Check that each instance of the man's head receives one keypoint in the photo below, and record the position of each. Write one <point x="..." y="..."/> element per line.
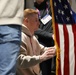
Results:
<point x="31" y="19"/>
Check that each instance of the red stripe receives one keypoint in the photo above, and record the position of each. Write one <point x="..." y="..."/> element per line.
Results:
<point x="66" y="48"/>
<point x="74" y="32"/>
<point x="57" y="34"/>
<point x="58" y="41"/>
<point x="66" y="51"/>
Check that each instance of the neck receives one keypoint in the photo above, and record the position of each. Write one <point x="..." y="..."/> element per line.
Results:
<point x="41" y="6"/>
<point x="32" y="32"/>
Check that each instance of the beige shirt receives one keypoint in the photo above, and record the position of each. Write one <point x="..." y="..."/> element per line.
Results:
<point x="28" y="60"/>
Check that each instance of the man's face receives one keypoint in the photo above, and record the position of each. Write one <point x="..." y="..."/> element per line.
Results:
<point x="39" y="1"/>
<point x="34" y="22"/>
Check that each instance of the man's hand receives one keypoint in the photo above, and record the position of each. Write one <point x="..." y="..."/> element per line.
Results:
<point x="49" y="53"/>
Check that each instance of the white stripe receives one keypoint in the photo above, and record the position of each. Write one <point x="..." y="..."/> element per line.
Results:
<point x="61" y="37"/>
<point x="71" y="50"/>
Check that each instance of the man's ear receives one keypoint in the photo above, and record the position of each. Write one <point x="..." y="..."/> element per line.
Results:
<point x="25" y="19"/>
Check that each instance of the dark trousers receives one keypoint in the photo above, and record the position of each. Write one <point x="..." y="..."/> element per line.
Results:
<point x="46" y="67"/>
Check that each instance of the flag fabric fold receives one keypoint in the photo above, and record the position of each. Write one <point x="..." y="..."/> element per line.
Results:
<point x="64" y="26"/>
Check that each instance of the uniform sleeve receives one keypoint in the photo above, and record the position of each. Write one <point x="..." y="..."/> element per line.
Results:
<point x="25" y="60"/>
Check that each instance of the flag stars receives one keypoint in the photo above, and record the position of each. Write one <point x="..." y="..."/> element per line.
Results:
<point x="68" y="19"/>
<point x="65" y="6"/>
<point x="56" y="17"/>
<point x="60" y="1"/>
<point x="71" y="12"/>
<point x="62" y="12"/>
<point x="59" y="11"/>
<point x="54" y="3"/>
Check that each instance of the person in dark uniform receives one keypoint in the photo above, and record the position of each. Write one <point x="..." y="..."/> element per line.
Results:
<point x="45" y="31"/>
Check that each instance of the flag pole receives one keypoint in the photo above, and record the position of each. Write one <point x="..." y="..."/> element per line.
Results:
<point x="57" y="48"/>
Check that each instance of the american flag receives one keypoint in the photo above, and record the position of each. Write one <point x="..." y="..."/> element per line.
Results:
<point x="64" y="25"/>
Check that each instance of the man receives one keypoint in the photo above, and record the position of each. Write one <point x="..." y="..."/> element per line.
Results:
<point x="32" y="53"/>
<point x="11" y="16"/>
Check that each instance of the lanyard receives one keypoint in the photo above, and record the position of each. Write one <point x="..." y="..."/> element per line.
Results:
<point x="46" y="11"/>
<point x="40" y="14"/>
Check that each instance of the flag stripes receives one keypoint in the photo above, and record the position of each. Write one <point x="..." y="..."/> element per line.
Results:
<point x="67" y="49"/>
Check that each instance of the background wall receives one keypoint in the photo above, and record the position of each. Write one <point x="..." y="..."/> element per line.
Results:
<point x="30" y="4"/>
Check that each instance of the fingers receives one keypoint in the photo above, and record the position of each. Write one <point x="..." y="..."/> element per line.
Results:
<point x="49" y="53"/>
<point x="52" y="50"/>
